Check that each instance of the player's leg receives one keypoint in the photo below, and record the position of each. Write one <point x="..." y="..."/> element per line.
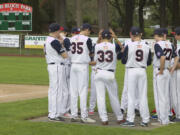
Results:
<point x="83" y="88"/>
<point x="53" y="89"/>
<point x="142" y="91"/>
<point x="92" y="100"/>
<point x="132" y="83"/>
<point x="74" y="91"/>
<point x="162" y="90"/>
<point x="112" y="89"/>
<point x="124" y="97"/>
<point x="101" y="95"/>
<point x="178" y="96"/>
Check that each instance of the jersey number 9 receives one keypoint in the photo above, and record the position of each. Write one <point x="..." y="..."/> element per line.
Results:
<point x="139" y="55"/>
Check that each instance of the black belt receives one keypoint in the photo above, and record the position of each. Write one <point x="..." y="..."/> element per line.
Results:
<point x="111" y="70"/>
<point x="52" y="63"/>
<point x="136" y="67"/>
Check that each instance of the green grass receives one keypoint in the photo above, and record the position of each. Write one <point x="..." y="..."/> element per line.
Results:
<point x="22" y="70"/>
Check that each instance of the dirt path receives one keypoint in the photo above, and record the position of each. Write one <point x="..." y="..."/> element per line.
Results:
<point x="14" y="92"/>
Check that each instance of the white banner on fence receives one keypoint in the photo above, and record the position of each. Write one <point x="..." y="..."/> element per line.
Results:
<point x="35" y="41"/>
<point x="7" y="40"/>
<point x="39" y="41"/>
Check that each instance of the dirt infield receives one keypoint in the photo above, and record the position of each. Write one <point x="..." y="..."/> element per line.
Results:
<point x="14" y="92"/>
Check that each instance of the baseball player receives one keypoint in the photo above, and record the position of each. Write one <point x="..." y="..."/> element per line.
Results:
<point x="105" y="58"/>
<point x="81" y="50"/>
<point x="137" y="56"/>
<point x="75" y="31"/>
<point x="176" y="72"/>
<point x="66" y="94"/>
<point x="164" y="52"/>
<point x="55" y="55"/>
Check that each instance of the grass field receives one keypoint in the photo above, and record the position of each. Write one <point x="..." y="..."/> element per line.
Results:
<point x="20" y="70"/>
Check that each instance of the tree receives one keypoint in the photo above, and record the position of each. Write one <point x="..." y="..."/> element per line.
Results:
<point x="141" y="19"/>
<point x="60" y="12"/>
<point x="102" y="14"/>
<point x="175" y="13"/>
<point x="163" y="16"/>
<point x="78" y="13"/>
<point x="128" y="19"/>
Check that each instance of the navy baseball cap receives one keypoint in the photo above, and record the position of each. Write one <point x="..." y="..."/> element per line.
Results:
<point x="159" y="31"/>
<point x="86" y="26"/>
<point x="106" y="34"/>
<point x="177" y="31"/>
<point x="64" y="29"/>
<point x="54" y="27"/>
<point x="75" y="30"/>
<point x="135" y="30"/>
<point x="165" y="31"/>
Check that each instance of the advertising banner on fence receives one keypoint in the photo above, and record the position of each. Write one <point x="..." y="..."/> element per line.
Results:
<point x="35" y="41"/>
<point x="7" y="40"/>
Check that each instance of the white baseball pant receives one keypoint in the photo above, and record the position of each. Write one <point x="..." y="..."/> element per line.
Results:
<point x="57" y="92"/>
<point x="92" y="101"/>
<point x="161" y="91"/>
<point x="79" y="87"/>
<point x="137" y="83"/>
<point x="106" y="80"/>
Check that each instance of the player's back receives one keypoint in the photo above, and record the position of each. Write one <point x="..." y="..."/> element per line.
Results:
<point x="138" y="52"/>
<point x="105" y="56"/>
<point x="79" y="49"/>
<point x="51" y="54"/>
<point x="167" y="49"/>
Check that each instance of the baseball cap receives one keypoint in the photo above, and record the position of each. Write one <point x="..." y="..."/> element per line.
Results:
<point x="64" y="29"/>
<point x="165" y="31"/>
<point x="106" y="34"/>
<point x="135" y="30"/>
<point x="75" y="30"/>
<point x="86" y="26"/>
<point x="177" y="31"/>
<point x="54" y="27"/>
<point x="159" y="31"/>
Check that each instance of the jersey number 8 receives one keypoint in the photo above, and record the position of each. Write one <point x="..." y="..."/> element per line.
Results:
<point x="102" y="55"/>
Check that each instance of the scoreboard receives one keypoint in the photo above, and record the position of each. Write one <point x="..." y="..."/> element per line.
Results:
<point x="15" y="17"/>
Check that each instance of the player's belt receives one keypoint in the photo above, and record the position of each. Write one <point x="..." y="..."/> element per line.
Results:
<point x="136" y="67"/>
<point x="111" y="70"/>
<point x="52" y="63"/>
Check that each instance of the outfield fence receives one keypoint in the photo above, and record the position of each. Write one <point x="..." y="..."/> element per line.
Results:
<point x="32" y="45"/>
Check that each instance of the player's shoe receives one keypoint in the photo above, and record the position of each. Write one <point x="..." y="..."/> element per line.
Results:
<point x="75" y="119"/>
<point x="87" y="120"/>
<point x="56" y="119"/>
<point x="143" y="124"/>
<point x="172" y="118"/>
<point x="90" y="113"/>
<point x="177" y="120"/>
<point x="67" y="116"/>
<point x="105" y="123"/>
<point x="128" y="124"/>
<point x="154" y="116"/>
<point x="120" y="121"/>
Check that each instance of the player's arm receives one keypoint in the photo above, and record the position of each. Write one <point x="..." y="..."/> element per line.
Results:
<point x="67" y="44"/>
<point x="118" y="51"/>
<point x="125" y="55"/>
<point x="176" y="59"/>
<point x="149" y="58"/>
<point x="58" y="47"/>
<point x="94" y="58"/>
<point x="90" y="48"/>
<point x="115" y="38"/>
<point x="99" y="36"/>
<point x="160" y="55"/>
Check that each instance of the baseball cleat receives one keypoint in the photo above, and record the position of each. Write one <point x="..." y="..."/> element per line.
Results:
<point x="172" y="118"/>
<point x="154" y="116"/>
<point x="87" y="120"/>
<point x="105" y="123"/>
<point x="56" y="119"/>
<point x="75" y="119"/>
<point x="128" y="124"/>
<point x="177" y="120"/>
<point x="91" y="113"/>
<point x="120" y="121"/>
<point x="143" y="124"/>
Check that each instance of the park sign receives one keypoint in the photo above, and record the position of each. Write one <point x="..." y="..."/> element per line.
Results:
<point x="15" y="17"/>
<point x="35" y="41"/>
<point x="8" y="40"/>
